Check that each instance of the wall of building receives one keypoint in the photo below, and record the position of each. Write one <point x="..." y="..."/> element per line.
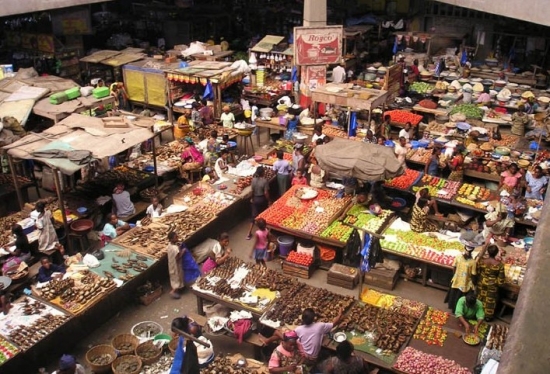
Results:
<point x="537" y="11"/>
<point x="12" y="7"/>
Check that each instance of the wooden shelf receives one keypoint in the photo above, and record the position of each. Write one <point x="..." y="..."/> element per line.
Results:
<point x="480" y="175"/>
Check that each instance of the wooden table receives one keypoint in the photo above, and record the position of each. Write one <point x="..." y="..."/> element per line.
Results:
<point x="269" y="125"/>
<point x="437" y="111"/>
<point x="201" y="297"/>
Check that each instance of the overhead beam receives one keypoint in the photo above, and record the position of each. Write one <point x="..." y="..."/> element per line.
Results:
<point x="13" y="7"/>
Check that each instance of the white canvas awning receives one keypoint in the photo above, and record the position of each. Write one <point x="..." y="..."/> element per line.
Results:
<point x="74" y="133"/>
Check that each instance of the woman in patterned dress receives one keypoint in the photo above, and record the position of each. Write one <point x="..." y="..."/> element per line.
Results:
<point x="491" y="277"/>
<point x="462" y="282"/>
<point x="419" y="220"/>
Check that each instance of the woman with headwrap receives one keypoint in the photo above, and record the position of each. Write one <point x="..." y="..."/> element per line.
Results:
<point x="186" y="358"/>
<point x="191" y="157"/>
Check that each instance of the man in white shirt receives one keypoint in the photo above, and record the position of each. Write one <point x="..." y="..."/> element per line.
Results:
<point x="405" y="132"/>
<point x="338" y="74"/>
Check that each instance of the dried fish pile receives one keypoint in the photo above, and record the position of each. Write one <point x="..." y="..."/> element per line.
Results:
<point x="224" y="365"/>
<point x="151" y="240"/>
<point x="103" y="359"/>
<point x="186" y="224"/>
<point x="497" y="337"/>
<point x="32" y="307"/>
<point x="162" y="365"/>
<point x="74" y="296"/>
<point x="28" y="335"/>
<point x="390" y="329"/>
<point x="327" y="305"/>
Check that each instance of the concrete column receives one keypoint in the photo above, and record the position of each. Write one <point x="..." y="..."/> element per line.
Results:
<point x="315" y="13"/>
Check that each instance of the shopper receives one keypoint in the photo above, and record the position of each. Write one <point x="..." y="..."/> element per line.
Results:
<point x="68" y="365"/>
<point x="22" y="246"/>
<point x="260" y="196"/>
<point x="207" y="113"/>
<point x="419" y="220"/>
<point x="186" y="358"/>
<point x="401" y="149"/>
<point x="283" y="169"/>
<point x="317" y="134"/>
<point x="122" y="203"/>
<point x="261" y="242"/>
<point x="196" y="119"/>
<point x="456" y="164"/>
<point x="114" y="227"/>
<point x="221" y="165"/>
<point x="44" y="223"/>
<point x="219" y="254"/>
<point x="339" y="74"/>
<point x="415" y="72"/>
<point x="227" y="119"/>
<point x="491" y="277"/>
<point x="535" y="184"/>
<point x="385" y="129"/>
<point x="406" y="131"/>
<point x="299" y="179"/>
<point x="182" y="127"/>
<point x="212" y="148"/>
<point x="510" y="180"/>
<point x="175" y="269"/>
<point x="469" y="308"/>
<point x="432" y="166"/>
<point x="287" y="356"/>
<point x="298" y="159"/>
<point x="463" y="277"/>
<point x="47" y="270"/>
<point x="155" y="209"/>
<point x="345" y="362"/>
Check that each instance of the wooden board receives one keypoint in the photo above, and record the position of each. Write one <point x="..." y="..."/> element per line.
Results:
<point x="296" y="270"/>
<point x="115" y="122"/>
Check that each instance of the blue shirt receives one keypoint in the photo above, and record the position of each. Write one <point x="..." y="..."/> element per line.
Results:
<point x="110" y="230"/>
<point x="433" y="166"/>
<point x="536" y="185"/>
<point x="282" y="167"/>
<point x="45" y="275"/>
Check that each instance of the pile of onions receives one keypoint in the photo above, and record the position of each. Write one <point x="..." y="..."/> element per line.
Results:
<point x="412" y="361"/>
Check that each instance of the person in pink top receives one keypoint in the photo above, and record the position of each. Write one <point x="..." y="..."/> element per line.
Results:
<point x="259" y="250"/>
<point x="286" y="357"/>
<point x="299" y="179"/>
<point x="510" y="180"/>
<point x="191" y="157"/>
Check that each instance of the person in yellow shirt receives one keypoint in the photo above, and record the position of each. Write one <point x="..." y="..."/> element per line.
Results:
<point x="182" y="127"/>
<point x="210" y="175"/>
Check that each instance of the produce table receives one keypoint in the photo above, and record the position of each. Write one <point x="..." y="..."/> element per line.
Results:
<point x="306" y="218"/>
<point x="437" y="111"/>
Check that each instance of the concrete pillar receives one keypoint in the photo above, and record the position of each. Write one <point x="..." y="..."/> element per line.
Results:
<point x="315" y="13"/>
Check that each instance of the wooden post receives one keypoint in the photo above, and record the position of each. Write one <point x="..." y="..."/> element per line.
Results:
<point x="153" y="149"/>
<point x="61" y="205"/>
<point x="190" y="337"/>
<point x="15" y="182"/>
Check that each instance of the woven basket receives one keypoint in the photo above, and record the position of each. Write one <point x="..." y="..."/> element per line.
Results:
<point x="100" y="350"/>
<point x="125" y="339"/>
<point x="173" y="345"/>
<point x="149" y="360"/>
<point x="129" y="359"/>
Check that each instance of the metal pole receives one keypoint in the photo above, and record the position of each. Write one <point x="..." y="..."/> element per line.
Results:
<point x="15" y="182"/>
<point x="61" y="204"/>
<point x="153" y="149"/>
<point x="190" y="337"/>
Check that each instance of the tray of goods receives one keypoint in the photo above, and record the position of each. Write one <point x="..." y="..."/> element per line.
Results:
<point x="7" y="350"/>
<point x="413" y="361"/>
<point x="241" y="184"/>
<point x="334" y="132"/>
<point x="506" y="140"/>
<point x="469" y="110"/>
<point x="6" y="182"/>
<point x="75" y="296"/>
<point x="384" y="329"/>
<point x="289" y="307"/>
<point x="150" y="240"/>
<point x="186" y="224"/>
<point x="193" y="196"/>
<point x="337" y="231"/>
<point x="149" y="193"/>
<point x="474" y="196"/>
<point x="497" y="337"/>
<point x="406" y="180"/>
<point x="438" y="187"/>
<point x="360" y="217"/>
<point x="435" y="128"/>
<point x="421" y="155"/>
<point x="27" y="335"/>
<point x="270" y="160"/>
<point x="299" y="265"/>
<point x="401" y="117"/>
<point x="123" y="267"/>
<point x="422" y="87"/>
<point x="430" y="328"/>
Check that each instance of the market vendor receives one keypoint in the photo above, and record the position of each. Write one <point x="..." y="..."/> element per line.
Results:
<point x="345" y="361"/>
<point x="44" y="223"/>
<point x="401" y="149"/>
<point x="456" y="165"/>
<point x="469" y="308"/>
<point x="379" y="196"/>
<point x="420" y="221"/>
<point x="415" y="72"/>
<point x="22" y="246"/>
<point x="191" y="157"/>
<point x="298" y="159"/>
<point x="361" y="198"/>
<point x="121" y="97"/>
<point x="122" y="203"/>
<point x="405" y="132"/>
<point x="196" y="119"/>
<point x="221" y="165"/>
<point x="68" y="365"/>
<point x="206" y="112"/>
<point x="473" y="138"/>
<point x="501" y="227"/>
<point x="155" y="209"/>
<point x="219" y="254"/>
<point x="114" y="227"/>
<point x="287" y="356"/>
<point x="212" y="148"/>
<point x="535" y="184"/>
<point x="47" y="270"/>
<point x="519" y="121"/>
<point x="381" y="140"/>
<point x="227" y="118"/>
<point x="432" y="166"/>
<point x="424" y="193"/>
<point x="317" y="176"/>
<point x="385" y="128"/>
<point x="182" y="126"/>
<point x="5" y="304"/>
<point x="299" y="178"/>
<point x="370" y="138"/>
<point x="186" y="358"/>
<point x="510" y="180"/>
<point x="210" y="175"/>
<point x="317" y="134"/>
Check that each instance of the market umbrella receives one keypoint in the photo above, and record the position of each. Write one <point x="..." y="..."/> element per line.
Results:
<point x="364" y="161"/>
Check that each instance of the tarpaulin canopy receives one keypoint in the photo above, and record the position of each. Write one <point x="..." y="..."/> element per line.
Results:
<point x="364" y="161"/>
<point x="77" y="133"/>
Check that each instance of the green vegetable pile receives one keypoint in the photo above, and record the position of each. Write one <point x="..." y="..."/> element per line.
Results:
<point x="469" y="110"/>
<point x="422" y="87"/>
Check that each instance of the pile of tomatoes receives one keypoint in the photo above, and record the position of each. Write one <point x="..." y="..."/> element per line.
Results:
<point x="300" y="258"/>
<point x="405" y="181"/>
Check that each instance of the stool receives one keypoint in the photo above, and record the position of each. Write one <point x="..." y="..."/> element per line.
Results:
<point x="245" y="144"/>
<point x="506" y="303"/>
<point x="195" y="172"/>
<point x="82" y="238"/>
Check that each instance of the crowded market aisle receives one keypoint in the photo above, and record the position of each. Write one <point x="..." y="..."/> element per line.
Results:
<point x="165" y="309"/>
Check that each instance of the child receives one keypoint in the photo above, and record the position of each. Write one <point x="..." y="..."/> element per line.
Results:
<point x="220" y="166"/>
<point x="219" y="254"/>
<point x="210" y="175"/>
<point x="299" y="178"/>
<point x="259" y="250"/>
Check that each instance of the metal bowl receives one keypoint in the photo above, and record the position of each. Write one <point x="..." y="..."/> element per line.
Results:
<point x="82" y="225"/>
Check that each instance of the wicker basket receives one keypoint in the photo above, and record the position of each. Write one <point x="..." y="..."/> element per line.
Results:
<point x="125" y="339"/>
<point x="129" y="359"/>
<point x="100" y="350"/>
<point x="148" y="360"/>
<point x="173" y="345"/>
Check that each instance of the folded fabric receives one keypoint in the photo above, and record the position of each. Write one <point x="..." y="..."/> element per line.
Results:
<point x="240" y="328"/>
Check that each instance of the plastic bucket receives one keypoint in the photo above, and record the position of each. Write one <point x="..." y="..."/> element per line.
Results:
<point x="285" y="244"/>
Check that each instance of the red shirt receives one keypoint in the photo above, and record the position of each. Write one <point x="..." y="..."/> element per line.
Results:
<point x="299" y="181"/>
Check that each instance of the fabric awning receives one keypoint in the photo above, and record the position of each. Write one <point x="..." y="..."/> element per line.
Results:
<point x="74" y="133"/>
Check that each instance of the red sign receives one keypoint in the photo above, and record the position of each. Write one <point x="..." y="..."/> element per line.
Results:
<point x="318" y="45"/>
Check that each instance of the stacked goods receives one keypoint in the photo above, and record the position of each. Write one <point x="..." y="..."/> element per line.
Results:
<point x="469" y="190"/>
<point x="438" y="187"/>
<point x="436" y="128"/>
<point x="303" y="259"/>
<point x="404" y="181"/>
<point x="412" y="361"/>
<point x="333" y="132"/>
<point x="151" y="240"/>
<point x="390" y="329"/>
<point x="343" y="276"/>
<point x="27" y="335"/>
<point x="337" y="231"/>
<point x="357" y="216"/>
<point x="422" y="87"/>
<point x="7" y="350"/>
<point x="420" y="155"/>
<point x="186" y="224"/>
<point x="402" y="117"/>
<point x="497" y="337"/>
<point x="469" y="110"/>
<point x="506" y="140"/>
<point x="430" y="328"/>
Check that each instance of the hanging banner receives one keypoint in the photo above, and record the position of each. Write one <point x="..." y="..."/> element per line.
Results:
<point x="314" y="77"/>
<point x="318" y="45"/>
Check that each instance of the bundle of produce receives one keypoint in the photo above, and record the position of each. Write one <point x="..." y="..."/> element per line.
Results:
<point x="412" y="361"/>
<point x="468" y="110"/>
<point x="402" y="117"/>
<point x="422" y="87"/>
<point x="404" y="181"/>
<point x="303" y="259"/>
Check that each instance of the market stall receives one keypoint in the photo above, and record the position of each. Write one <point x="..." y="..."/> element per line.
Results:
<point x="106" y="64"/>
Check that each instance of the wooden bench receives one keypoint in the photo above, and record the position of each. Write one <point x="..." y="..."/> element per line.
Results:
<point x="506" y="303"/>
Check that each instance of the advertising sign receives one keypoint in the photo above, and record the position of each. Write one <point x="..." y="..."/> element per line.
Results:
<point x="318" y="45"/>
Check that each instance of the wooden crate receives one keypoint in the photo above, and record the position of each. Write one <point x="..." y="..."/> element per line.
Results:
<point x="343" y="276"/>
<point x="383" y="278"/>
<point x="295" y="270"/>
<point x="150" y="297"/>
